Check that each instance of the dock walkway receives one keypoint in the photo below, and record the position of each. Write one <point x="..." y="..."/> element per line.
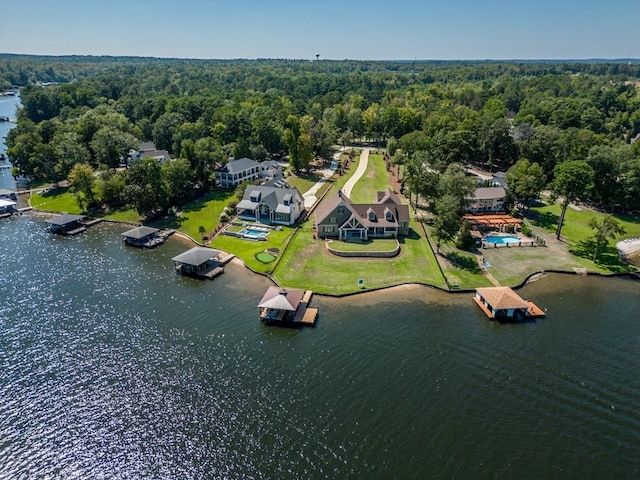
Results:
<point x="305" y="314"/>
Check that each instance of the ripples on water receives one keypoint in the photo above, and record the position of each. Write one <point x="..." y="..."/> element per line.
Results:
<point x="115" y="367"/>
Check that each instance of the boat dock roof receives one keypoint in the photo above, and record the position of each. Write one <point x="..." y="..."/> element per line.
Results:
<point x="140" y="232"/>
<point x="197" y="256"/>
<point x="65" y="219"/>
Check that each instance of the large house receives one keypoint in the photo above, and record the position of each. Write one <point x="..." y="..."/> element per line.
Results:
<point x="234" y="172"/>
<point x="340" y="218"/>
<point x="486" y="199"/>
<point x="148" y="150"/>
<point x="271" y="205"/>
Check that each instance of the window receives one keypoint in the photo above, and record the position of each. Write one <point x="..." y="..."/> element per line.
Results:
<point x="329" y="229"/>
<point x="333" y="220"/>
<point x="341" y="210"/>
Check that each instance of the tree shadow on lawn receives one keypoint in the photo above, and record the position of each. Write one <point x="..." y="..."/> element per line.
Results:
<point x="546" y="220"/>
<point x="463" y="262"/>
<point x="607" y="258"/>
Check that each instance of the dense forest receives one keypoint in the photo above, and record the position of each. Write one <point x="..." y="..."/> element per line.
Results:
<point x="519" y="116"/>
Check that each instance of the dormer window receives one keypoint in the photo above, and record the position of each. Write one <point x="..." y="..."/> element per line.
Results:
<point x="388" y="215"/>
<point x="371" y="214"/>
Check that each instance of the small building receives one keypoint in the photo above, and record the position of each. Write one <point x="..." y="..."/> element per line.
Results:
<point x="199" y="262"/>
<point x="143" y="236"/>
<point x="67" y="224"/>
<point x="502" y="303"/>
<point x="486" y="199"/>
<point x="271" y="205"/>
<point x="7" y="207"/>
<point x="287" y="306"/>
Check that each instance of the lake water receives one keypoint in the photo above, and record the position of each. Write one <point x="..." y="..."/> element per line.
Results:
<point x="8" y="105"/>
<point x="113" y="366"/>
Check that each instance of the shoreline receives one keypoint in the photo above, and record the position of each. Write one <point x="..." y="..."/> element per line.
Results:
<point x="530" y="278"/>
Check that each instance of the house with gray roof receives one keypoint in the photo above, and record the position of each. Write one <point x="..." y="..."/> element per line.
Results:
<point x="486" y="199"/>
<point x="340" y="218"/>
<point x="234" y="172"/>
<point x="271" y="205"/>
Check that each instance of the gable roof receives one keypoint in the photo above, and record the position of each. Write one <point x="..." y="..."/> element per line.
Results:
<point x="7" y="203"/>
<point x="281" y="298"/>
<point x="196" y="256"/>
<point x="502" y="297"/>
<point x="269" y="195"/>
<point x="390" y="202"/>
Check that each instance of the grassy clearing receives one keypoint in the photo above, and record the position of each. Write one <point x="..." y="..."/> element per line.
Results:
<point x="576" y="232"/>
<point x="303" y="181"/>
<point x="375" y="179"/>
<point x="205" y="211"/>
<point x="246" y="250"/>
<point x="307" y="264"/>
<point x="56" y="200"/>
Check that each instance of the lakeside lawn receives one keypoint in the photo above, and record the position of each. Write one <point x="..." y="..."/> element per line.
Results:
<point x="307" y="264"/>
<point x="576" y="233"/>
<point x="56" y="200"/>
<point x="377" y="245"/>
<point x="247" y="250"/>
<point x="204" y="211"/>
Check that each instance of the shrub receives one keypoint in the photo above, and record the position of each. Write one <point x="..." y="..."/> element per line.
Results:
<point x="224" y="218"/>
<point x="526" y="230"/>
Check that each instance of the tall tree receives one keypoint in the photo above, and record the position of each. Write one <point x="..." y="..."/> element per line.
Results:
<point x="572" y="180"/>
<point x="526" y="180"/>
<point x="145" y="188"/>
<point x="82" y="181"/>
<point x="605" y="229"/>
<point x="447" y="221"/>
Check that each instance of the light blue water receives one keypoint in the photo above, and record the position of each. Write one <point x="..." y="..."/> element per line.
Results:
<point x="253" y="233"/>
<point x="8" y="106"/>
<point x="502" y="239"/>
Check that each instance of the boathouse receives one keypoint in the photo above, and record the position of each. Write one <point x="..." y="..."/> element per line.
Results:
<point x="7" y="208"/>
<point x="502" y="303"/>
<point x="199" y="262"/>
<point x="287" y="306"/>
<point x="67" y="224"/>
<point x="143" y="236"/>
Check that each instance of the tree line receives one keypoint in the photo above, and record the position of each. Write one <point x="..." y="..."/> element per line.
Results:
<point x="431" y="114"/>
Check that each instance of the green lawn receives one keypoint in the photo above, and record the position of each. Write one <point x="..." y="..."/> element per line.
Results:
<point x="376" y="245"/>
<point x="307" y="264"/>
<point x="375" y="179"/>
<point x="246" y="250"/>
<point x="576" y="232"/>
<point x="204" y="211"/>
<point x="57" y="200"/>
<point x="303" y="181"/>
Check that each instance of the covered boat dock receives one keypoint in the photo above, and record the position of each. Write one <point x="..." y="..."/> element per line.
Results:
<point x="67" y="224"/>
<point x="199" y="262"/>
<point x="7" y="207"/>
<point x="143" y="237"/>
<point x="502" y="303"/>
<point x="287" y="306"/>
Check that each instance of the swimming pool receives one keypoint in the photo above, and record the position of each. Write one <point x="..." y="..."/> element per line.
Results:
<point x="253" y="233"/>
<point x="502" y="239"/>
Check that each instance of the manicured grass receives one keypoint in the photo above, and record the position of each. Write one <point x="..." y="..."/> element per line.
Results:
<point x="376" y="245"/>
<point x="129" y="215"/>
<point x="265" y="257"/>
<point x="57" y="200"/>
<point x="375" y="179"/>
<point x="307" y="264"/>
<point x="576" y="232"/>
<point x="303" y="181"/>
<point x="204" y="211"/>
<point x="247" y="250"/>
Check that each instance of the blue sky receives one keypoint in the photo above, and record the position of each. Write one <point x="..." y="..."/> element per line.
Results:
<point x="335" y="29"/>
